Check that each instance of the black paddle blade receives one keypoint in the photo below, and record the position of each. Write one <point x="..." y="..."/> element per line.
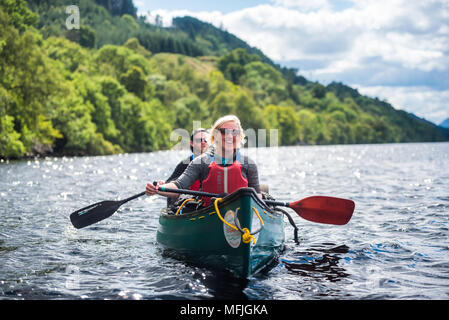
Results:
<point x="94" y="213"/>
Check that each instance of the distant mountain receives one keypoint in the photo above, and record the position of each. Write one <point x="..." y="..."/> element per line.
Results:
<point x="214" y="40"/>
<point x="445" y="123"/>
<point x="412" y="126"/>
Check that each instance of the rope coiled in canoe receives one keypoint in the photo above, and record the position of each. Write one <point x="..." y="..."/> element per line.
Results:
<point x="182" y="205"/>
<point x="247" y="237"/>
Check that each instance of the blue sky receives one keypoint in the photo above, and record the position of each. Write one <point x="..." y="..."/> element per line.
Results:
<point x="396" y="50"/>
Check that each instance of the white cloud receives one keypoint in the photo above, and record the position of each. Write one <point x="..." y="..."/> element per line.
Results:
<point x="302" y="5"/>
<point x="369" y="43"/>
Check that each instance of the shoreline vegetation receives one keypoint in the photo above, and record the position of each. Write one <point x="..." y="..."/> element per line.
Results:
<point x="50" y="156"/>
<point x="120" y="85"/>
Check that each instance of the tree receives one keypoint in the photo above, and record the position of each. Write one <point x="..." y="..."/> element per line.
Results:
<point x="319" y="91"/>
<point x="87" y="37"/>
<point x="286" y="121"/>
<point x="222" y="104"/>
<point x="250" y="115"/>
<point x="119" y="7"/>
<point x="187" y="110"/>
<point x="19" y="16"/>
<point x="134" y="81"/>
<point x="28" y="77"/>
<point x="232" y="64"/>
<point x="10" y="144"/>
<point x="134" y="44"/>
<point x="311" y="129"/>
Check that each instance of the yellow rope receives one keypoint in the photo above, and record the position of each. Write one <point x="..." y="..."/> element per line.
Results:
<point x="219" y="215"/>
<point x="179" y="209"/>
<point x="246" y="236"/>
<point x="257" y="213"/>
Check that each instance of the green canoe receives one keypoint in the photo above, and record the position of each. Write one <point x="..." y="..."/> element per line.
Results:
<point x="204" y="237"/>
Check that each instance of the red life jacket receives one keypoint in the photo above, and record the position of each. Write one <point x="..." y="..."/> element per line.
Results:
<point x="223" y="179"/>
<point x="197" y="184"/>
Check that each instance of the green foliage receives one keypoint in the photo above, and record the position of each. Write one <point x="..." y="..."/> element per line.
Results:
<point x="311" y="127"/>
<point x="18" y="13"/>
<point x="10" y="144"/>
<point x="286" y="121"/>
<point x="119" y="7"/>
<point x="134" y="81"/>
<point x="266" y="83"/>
<point x="134" y="45"/>
<point x="187" y="110"/>
<point x="318" y="91"/>
<point x="70" y="55"/>
<point x="87" y="37"/>
<point x="213" y="41"/>
<point x="232" y="64"/>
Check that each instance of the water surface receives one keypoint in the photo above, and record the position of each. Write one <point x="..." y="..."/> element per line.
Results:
<point x="395" y="247"/>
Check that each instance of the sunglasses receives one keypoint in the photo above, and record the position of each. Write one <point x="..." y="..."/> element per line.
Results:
<point x="234" y="132"/>
<point x="199" y="140"/>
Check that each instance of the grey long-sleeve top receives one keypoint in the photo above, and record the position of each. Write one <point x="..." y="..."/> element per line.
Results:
<point x="198" y="169"/>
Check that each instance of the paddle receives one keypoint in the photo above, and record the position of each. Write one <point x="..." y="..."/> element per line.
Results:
<point x="321" y="209"/>
<point x="96" y="212"/>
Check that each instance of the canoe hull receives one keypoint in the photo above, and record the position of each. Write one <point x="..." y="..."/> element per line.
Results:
<point x="202" y="236"/>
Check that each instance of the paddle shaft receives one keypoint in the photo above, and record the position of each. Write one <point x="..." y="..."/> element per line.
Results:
<point x="277" y="203"/>
<point x="191" y="192"/>
<point x="132" y="198"/>
<point x="319" y="209"/>
<point x="214" y="195"/>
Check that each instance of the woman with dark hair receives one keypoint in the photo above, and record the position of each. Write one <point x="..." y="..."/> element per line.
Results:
<point x="199" y="142"/>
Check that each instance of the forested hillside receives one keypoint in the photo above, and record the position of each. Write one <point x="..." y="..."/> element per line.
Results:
<point x="118" y="84"/>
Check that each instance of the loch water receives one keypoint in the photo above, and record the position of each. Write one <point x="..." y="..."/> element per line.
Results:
<point x="396" y="245"/>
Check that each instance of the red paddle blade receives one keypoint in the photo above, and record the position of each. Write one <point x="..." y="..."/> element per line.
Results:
<point x="323" y="209"/>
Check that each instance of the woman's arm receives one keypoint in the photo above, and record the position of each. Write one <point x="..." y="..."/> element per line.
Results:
<point x="180" y="168"/>
<point x="154" y="189"/>
<point x="185" y="181"/>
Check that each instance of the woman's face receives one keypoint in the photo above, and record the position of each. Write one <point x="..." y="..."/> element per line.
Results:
<point x="200" y="143"/>
<point x="228" y="138"/>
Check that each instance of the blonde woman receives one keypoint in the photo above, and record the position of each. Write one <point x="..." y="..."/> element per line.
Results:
<point x="221" y="169"/>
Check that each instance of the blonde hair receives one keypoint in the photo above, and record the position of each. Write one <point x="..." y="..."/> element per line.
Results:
<point x="219" y="123"/>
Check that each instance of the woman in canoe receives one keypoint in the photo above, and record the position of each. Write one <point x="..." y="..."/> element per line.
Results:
<point x="199" y="142"/>
<point x="221" y="169"/>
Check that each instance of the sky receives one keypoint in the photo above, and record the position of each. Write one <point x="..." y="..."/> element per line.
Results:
<point x="395" y="50"/>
